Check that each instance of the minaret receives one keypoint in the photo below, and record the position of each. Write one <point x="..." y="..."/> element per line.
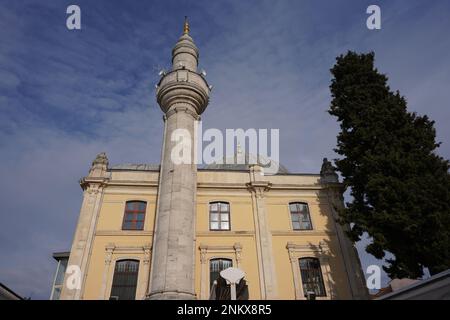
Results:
<point x="183" y="95"/>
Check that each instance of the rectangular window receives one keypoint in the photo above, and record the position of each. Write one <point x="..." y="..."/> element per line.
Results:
<point x="217" y="265"/>
<point x="125" y="280"/>
<point x="300" y="217"/>
<point x="134" y="215"/>
<point x="219" y="216"/>
<point x="56" y="293"/>
<point x="312" y="279"/>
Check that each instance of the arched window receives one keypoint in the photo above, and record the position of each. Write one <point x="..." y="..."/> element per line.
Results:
<point x="134" y="216"/>
<point x="312" y="279"/>
<point x="219" y="288"/>
<point x="300" y="217"/>
<point x="219" y="216"/>
<point x="125" y="280"/>
<point x="215" y="266"/>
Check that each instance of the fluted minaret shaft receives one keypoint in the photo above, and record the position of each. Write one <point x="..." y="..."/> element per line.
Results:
<point x="182" y="95"/>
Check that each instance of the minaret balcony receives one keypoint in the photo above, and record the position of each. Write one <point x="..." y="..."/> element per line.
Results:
<point x="183" y="86"/>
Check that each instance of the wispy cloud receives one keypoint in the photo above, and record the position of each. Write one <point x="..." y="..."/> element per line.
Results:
<point x="67" y="95"/>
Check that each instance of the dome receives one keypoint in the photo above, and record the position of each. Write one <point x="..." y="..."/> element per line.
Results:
<point x="246" y="160"/>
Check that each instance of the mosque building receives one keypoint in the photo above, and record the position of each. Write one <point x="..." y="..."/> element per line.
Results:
<point x="166" y="231"/>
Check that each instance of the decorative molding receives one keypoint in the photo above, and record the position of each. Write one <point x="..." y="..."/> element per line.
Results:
<point x="132" y="183"/>
<point x="123" y="233"/>
<point x="320" y="251"/>
<point x="203" y="251"/>
<point x="112" y="201"/>
<point x="222" y="196"/>
<point x="93" y="185"/>
<point x="109" y="252"/>
<point x="308" y="199"/>
<point x="259" y="188"/>
<point x="172" y="92"/>
<point x="302" y="233"/>
<point x="225" y="234"/>
<point x="214" y="185"/>
<point x="275" y="187"/>
<point x="235" y="249"/>
<point x="214" y="251"/>
<point x="152" y="193"/>
<point x="238" y="249"/>
<point x="320" y="248"/>
<point x="181" y="108"/>
<point x="289" y="186"/>
<point x="147" y="252"/>
<point x="229" y="248"/>
<point x="113" y="249"/>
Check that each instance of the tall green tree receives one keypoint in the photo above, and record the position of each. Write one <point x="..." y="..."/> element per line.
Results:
<point x="399" y="185"/>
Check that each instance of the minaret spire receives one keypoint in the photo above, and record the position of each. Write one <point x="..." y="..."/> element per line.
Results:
<point x="185" y="52"/>
<point x="186" y="25"/>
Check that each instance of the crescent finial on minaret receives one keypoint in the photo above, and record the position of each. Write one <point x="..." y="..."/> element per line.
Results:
<point x="186" y="25"/>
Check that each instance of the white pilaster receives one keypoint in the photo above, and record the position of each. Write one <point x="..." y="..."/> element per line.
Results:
<point x="93" y="186"/>
<point x="266" y="263"/>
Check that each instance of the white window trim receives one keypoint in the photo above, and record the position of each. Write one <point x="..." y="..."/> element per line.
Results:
<point x="209" y="216"/>
<point x="310" y="216"/>
<point x="114" y="253"/>
<point x="207" y="253"/>
<point x="320" y="251"/>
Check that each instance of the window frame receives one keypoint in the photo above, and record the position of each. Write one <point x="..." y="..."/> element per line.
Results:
<point x="111" y="291"/>
<point x="134" y="222"/>
<point x="321" y="285"/>
<point x="209" y="267"/>
<point x="311" y="226"/>
<point x="58" y="279"/>
<point x="219" y="213"/>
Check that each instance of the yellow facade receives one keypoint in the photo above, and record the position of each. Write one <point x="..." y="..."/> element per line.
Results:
<point x="174" y="260"/>
<point x="109" y="243"/>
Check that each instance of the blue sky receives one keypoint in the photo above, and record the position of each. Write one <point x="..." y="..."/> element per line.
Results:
<point x="67" y="95"/>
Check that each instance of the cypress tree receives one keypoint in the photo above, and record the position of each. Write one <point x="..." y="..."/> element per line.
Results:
<point x="400" y="186"/>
